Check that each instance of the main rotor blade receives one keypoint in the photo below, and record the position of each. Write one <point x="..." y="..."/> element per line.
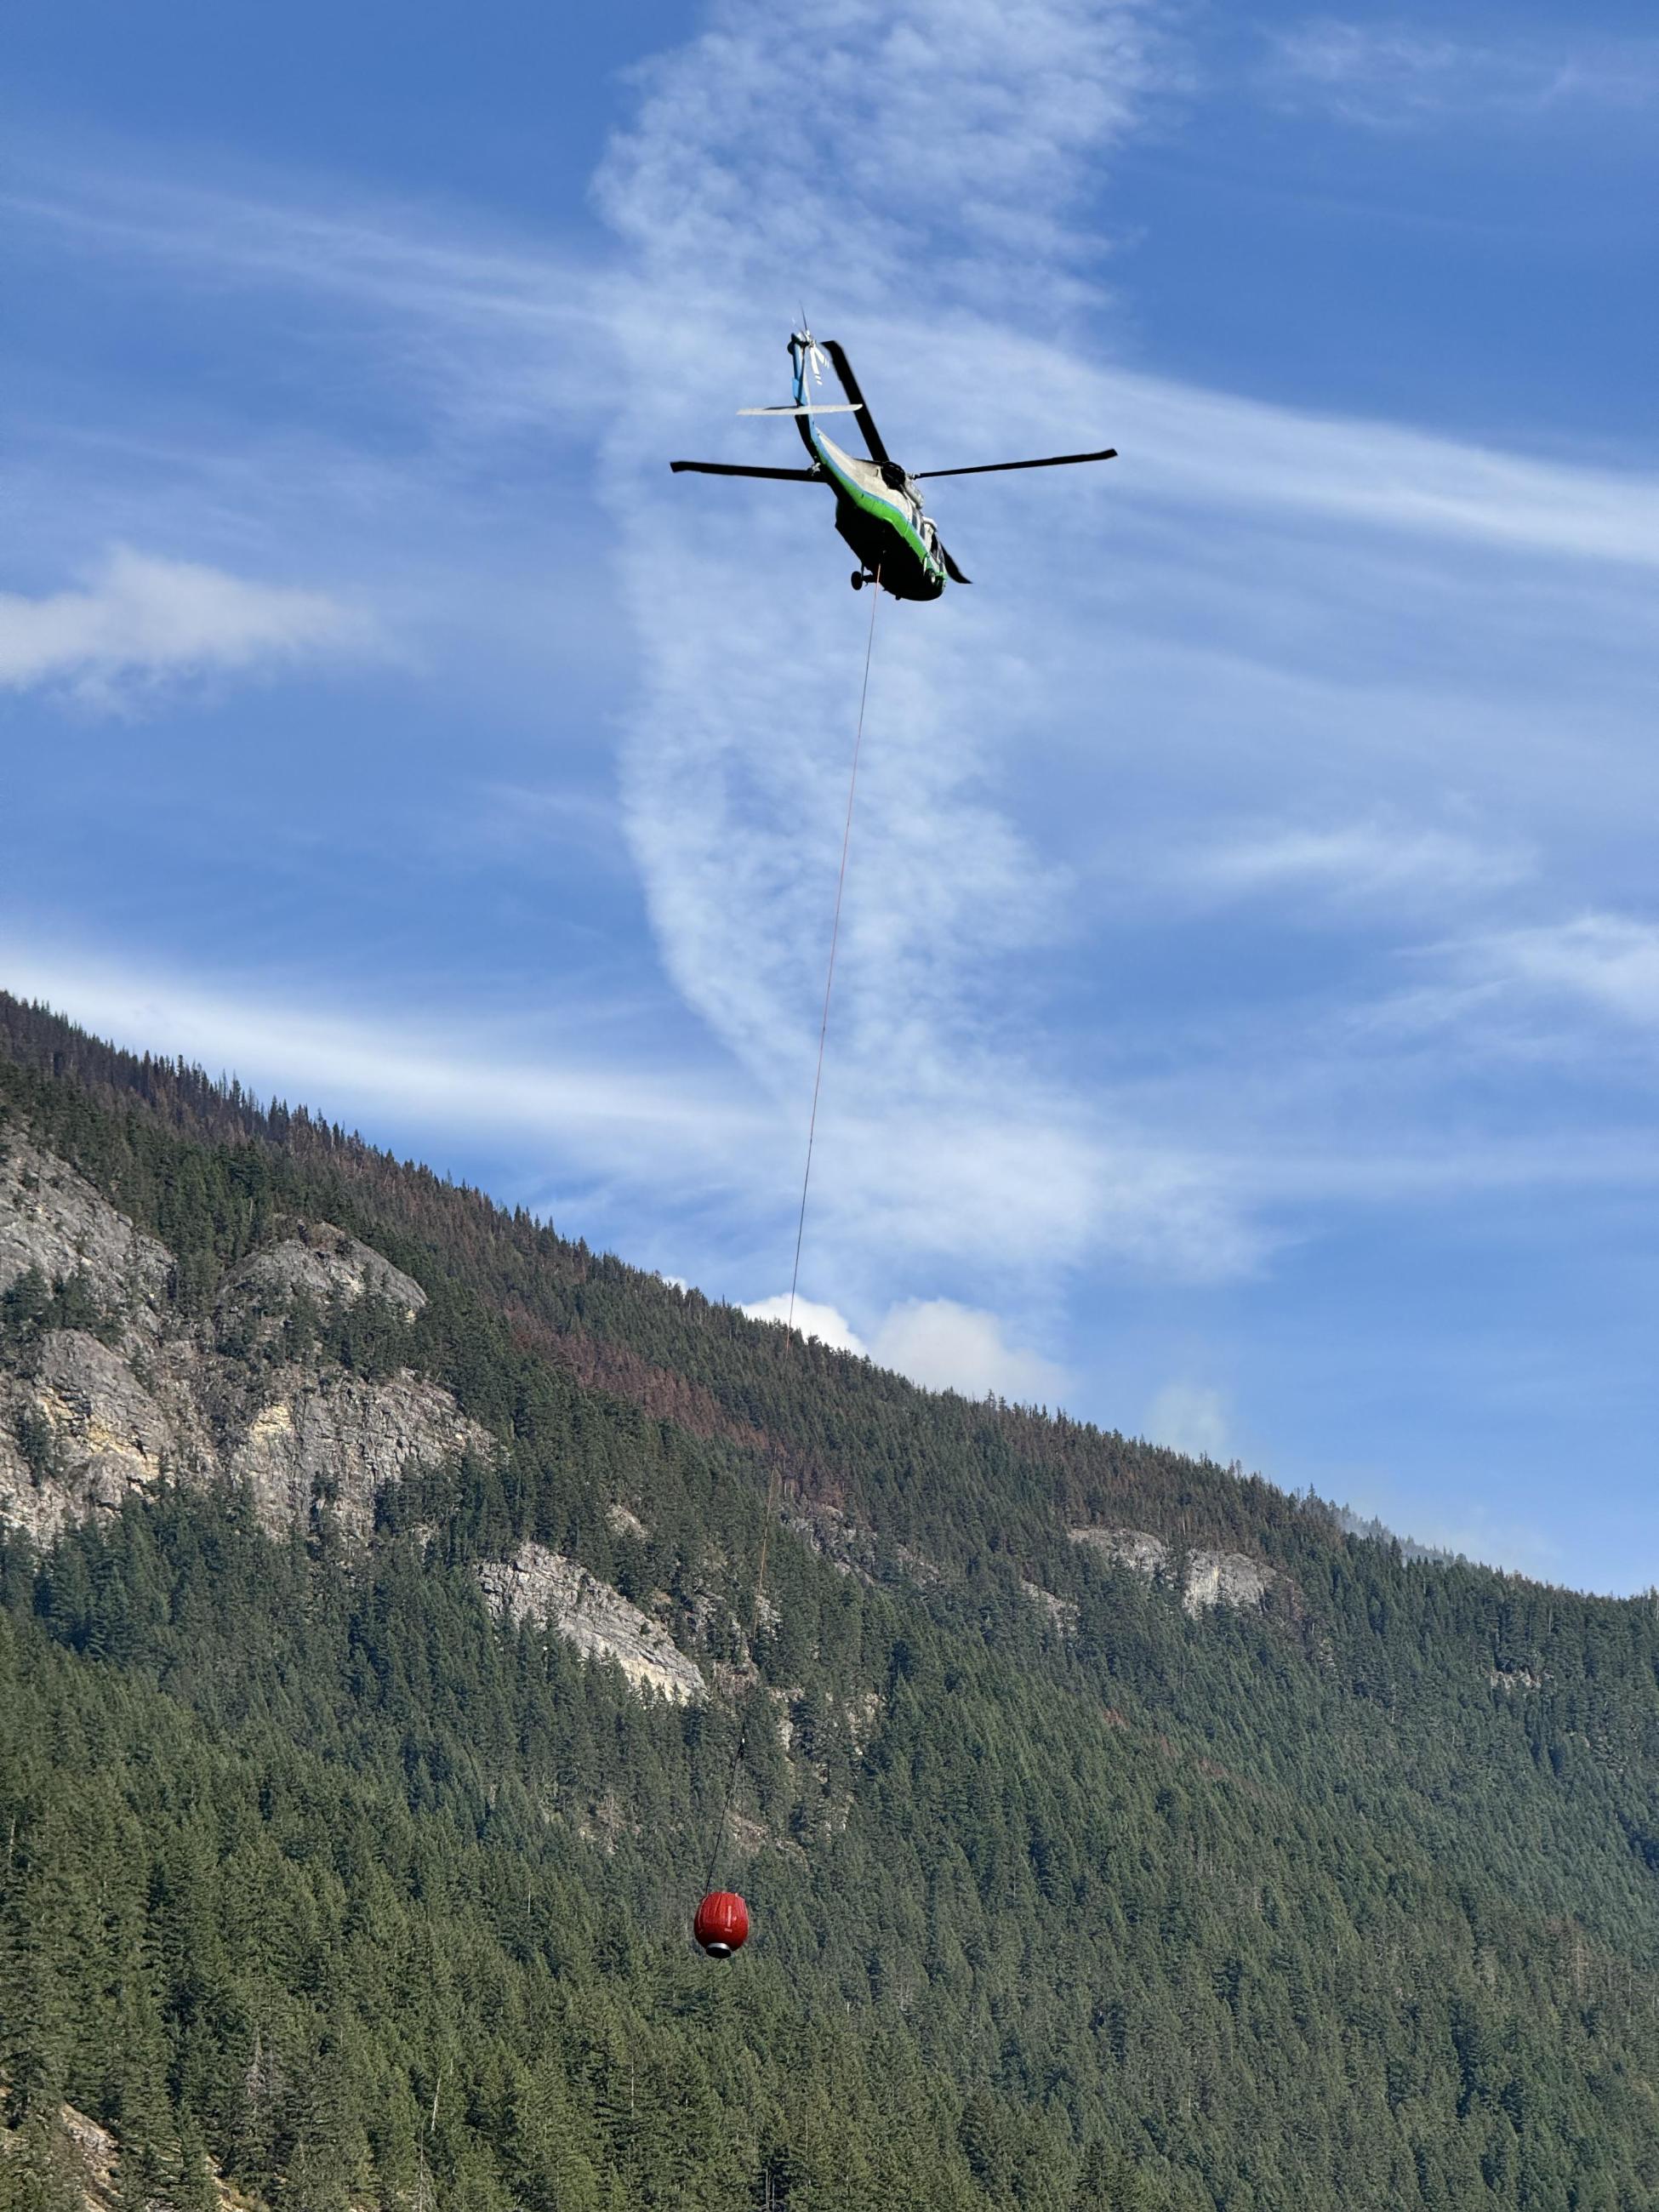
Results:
<point x="850" y="385"/>
<point x="950" y="568"/>
<point x="733" y="469"/>
<point x="996" y="468"/>
<point x="798" y="411"/>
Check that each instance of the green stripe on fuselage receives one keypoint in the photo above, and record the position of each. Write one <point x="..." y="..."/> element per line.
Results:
<point x="884" y="507"/>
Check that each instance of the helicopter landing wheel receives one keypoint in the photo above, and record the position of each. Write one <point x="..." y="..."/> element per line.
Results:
<point x="858" y="580"/>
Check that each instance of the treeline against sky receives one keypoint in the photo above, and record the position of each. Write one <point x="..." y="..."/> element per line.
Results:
<point x="315" y="1870"/>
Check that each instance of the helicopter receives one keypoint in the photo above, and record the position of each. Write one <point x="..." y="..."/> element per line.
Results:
<point x="878" y="504"/>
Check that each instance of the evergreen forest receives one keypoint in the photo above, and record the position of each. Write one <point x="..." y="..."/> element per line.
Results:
<point x="326" y="1886"/>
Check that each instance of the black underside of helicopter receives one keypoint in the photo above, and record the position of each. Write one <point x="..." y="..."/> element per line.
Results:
<point x="880" y="548"/>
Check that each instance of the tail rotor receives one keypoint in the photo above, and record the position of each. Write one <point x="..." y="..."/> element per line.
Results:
<point x="807" y="355"/>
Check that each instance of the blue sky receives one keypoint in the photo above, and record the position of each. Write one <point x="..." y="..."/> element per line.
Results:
<point x="1248" y="1022"/>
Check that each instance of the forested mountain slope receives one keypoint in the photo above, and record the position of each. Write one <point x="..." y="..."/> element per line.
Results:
<point x="374" y="1598"/>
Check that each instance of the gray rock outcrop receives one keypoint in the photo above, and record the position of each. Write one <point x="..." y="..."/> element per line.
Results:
<point x="342" y="1441"/>
<point x="1061" y="1611"/>
<point x="1208" y="1579"/>
<point x="88" y="1420"/>
<point x="95" y="1434"/>
<point x="52" y="1220"/>
<point x="1126" y="1547"/>
<point x="326" y="1264"/>
<point x="1223" y="1578"/>
<point x="539" y="1584"/>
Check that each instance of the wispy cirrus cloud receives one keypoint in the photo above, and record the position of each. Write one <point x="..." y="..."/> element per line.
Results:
<point x="356" y="1066"/>
<point x="1375" y="861"/>
<point x="1374" y="476"/>
<point x="931" y="146"/>
<point x="1532" y="989"/>
<point x="1401" y="74"/>
<point x="489" y="334"/>
<point x="140" y="620"/>
<point x="1610" y="962"/>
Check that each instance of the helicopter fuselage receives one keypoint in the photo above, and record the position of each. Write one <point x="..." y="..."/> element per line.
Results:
<point x="878" y="513"/>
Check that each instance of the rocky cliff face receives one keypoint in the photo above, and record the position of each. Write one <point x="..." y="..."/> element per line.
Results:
<point x="78" y="1435"/>
<point x="56" y="1223"/>
<point x="79" y="2164"/>
<point x="1205" y="1578"/>
<point x="1224" y="1578"/>
<point x="323" y="1263"/>
<point x="1127" y="1547"/>
<point x="537" y="1584"/>
<point x="94" y="1413"/>
<point x="336" y="1439"/>
<point x="131" y="1396"/>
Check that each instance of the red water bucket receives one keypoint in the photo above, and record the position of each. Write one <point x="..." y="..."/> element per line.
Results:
<point x="722" y="1923"/>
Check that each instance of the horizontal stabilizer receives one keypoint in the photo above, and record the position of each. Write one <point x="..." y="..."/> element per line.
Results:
<point x="735" y="469"/>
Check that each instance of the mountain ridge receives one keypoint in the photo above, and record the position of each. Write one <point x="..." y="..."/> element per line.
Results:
<point x="1069" y="1889"/>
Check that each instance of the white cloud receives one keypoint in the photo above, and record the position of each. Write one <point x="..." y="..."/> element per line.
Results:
<point x="1189" y="1417"/>
<point x="1533" y="994"/>
<point x="454" y="1073"/>
<point x="1389" y="75"/>
<point x="944" y="1345"/>
<point x="1609" y="961"/>
<point x="1183" y="442"/>
<point x="140" y="618"/>
<point x="937" y="1342"/>
<point x="1601" y="963"/>
<point x="1379" y="859"/>
<point x="955" y="135"/>
<point x="819" y="1323"/>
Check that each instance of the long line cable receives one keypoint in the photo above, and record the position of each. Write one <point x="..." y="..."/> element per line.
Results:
<point x="775" y="1457"/>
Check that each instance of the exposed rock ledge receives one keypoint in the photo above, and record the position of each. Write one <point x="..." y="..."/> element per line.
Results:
<point x="105" y="1434"/>
<point x="1208" y="1578"/>
<point x="1061" y="1611"/>
<point x="537" y="1584"/>
<point x="90" y="1418"/>
<point x="94" y="2179"/>
<point x="1224" y="1578"/>
<point x="346" y="1440"/>
<point x="1127" y="1547"/>
<point x="325" y="1263"/>
<point x="53" y="1220"/>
